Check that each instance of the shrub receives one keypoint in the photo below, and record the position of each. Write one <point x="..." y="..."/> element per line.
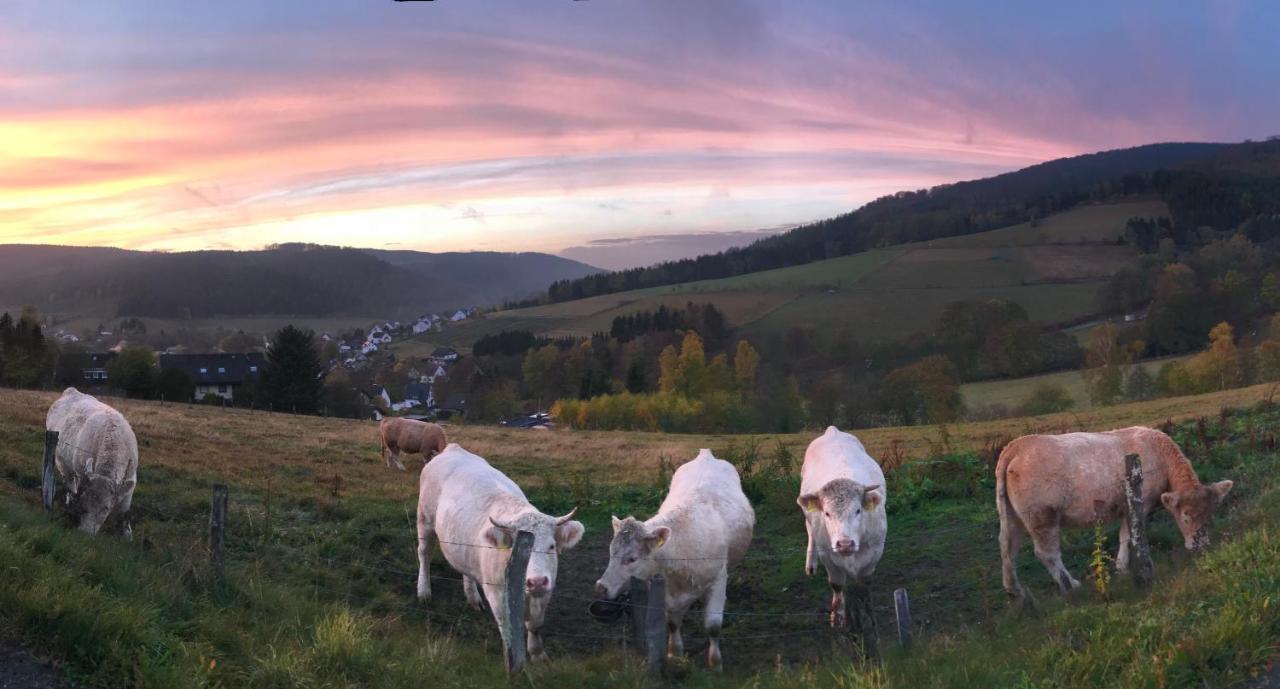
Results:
<point x="1047" y="398"/>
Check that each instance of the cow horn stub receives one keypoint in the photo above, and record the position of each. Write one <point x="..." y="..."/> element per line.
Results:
<point x="500" y="525"/>
<point x="868" y="489"/>
<point x="567" y="517"/>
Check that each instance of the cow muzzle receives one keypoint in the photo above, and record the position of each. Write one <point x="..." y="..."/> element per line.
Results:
<point x="845" y="547"/>
<point x="537" y="586"/>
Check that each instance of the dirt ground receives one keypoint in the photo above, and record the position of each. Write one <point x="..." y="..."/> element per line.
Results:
<point x="19" y="669"/>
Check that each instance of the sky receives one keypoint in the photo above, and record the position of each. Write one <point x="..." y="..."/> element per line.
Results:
<point x="552" y="125"/>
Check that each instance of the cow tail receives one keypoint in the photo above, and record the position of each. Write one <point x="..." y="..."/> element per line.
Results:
<point x="1010" y="524"/>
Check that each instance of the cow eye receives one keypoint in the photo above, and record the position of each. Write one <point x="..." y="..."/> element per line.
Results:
<point x="552" y="549"/>
<point x="628" y="560"/>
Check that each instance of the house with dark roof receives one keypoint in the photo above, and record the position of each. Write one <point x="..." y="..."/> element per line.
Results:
<point x="95" y="372"/>
<point x="217" y="374"/>
<point x="443" y="355"/>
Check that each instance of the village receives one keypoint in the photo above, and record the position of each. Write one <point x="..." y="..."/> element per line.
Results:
<point x="384" y="383"/>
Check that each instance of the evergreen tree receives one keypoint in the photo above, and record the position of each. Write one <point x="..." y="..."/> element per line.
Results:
<point x="292" y="380"/>
<point x="134" y="371"/>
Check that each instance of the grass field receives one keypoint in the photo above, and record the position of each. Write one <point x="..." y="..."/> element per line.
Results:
<point x="320" y="560"/>
<point x="1053" y="269"/>
<point x="1012" y="392"/>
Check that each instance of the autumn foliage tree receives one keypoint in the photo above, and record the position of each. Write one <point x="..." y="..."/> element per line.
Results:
<point x="927" y="391"/>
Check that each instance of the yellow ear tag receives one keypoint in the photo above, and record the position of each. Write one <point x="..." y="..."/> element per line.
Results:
<point x="502" y="546"/>
<point x="661" y="540"/>
<point x="869" y="505"/>
<point x="811" y="507"/>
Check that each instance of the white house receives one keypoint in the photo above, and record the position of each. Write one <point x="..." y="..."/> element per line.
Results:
<point x="385" y="339"/>
<point x="421" y="327"/>
<point x="458" y="315"/>
<point x="369" y="348"/>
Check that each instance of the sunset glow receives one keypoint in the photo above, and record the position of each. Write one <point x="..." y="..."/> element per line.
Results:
<point x="539" y="125"/>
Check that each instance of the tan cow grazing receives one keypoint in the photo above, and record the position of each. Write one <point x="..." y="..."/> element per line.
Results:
<point x="1076" y="480"/>
<point x="408" y="435"/>
<point x="96" y="459"/>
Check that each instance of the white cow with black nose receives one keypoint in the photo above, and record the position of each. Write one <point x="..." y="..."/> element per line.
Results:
<point x="475" y="511"/>
<point x="843" y="497"/>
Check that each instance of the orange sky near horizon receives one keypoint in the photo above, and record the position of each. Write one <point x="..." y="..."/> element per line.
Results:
<point x="441" y="129"/>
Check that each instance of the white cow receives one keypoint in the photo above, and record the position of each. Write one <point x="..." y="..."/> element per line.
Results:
<point x="475" y="511"/>
<point x="96" y="459"/>
<point x="843" y="497"/>
<point x="702" y="527"/>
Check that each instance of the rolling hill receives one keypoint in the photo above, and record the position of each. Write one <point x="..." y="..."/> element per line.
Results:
<point x="295" y="280"/>
<point x="1053" y="267"/>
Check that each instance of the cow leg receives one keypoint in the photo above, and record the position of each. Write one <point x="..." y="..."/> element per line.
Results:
<point x="715" y="617"/>
<point x="676" y="609"/>
<point x="1011" y="535"/>
<point x="1049" y="550"/>
<point x="836" y="577"/>
<point x="472" y="591"/>
<point x="1122" y="553"/>
<point x="810" y="552"/>
<point x="535" y="612"/>
<point x="395" y="460"/>
<point x="425" y="534"/>
<point x="126" y="516"/>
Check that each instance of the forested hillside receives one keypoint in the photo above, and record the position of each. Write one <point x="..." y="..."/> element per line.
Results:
<point x="908" y="216"/>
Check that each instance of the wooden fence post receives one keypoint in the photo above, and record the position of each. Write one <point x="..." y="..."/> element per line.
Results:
<point x="513" y="633"/>
<point x="217" y="529"/>
<point x="1139" y="550"/>
<point x="902" y="606"/>
<point x="656" y="625"/>
<point x="639" y="613"/>
<point x="48" y="482"/>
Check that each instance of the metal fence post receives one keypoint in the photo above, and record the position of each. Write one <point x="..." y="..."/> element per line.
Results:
<point x="513" y="636"/>
<point x="902" y="606"/>
<point x="48" y="484"/>
<point x="1139" y="550"/>
<point x="217" y="529"/>
<point x="639" y="602"/>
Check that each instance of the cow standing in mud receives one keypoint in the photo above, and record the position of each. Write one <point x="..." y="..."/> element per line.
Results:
<point x="1076" y="480"/>
<point x="703" y="526"/>
<point x="843" y="497"/>
<point x="475" y="512"/>
<point x="409" y="436"/>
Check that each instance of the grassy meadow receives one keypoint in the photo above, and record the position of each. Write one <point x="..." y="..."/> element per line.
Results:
<point x="1053" y="268"/>
<point x="1011" y="392"/>
<point x="321" y="564"/>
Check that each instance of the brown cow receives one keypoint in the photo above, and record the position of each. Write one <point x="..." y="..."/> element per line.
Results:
<point x="1075" y="480"/>
<point x="407" y="435"/>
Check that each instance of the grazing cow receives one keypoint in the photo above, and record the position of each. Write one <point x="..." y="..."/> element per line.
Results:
<point x="408" y="435"/>
<point x="843" y="497"/>
<point x="96" y="459"/>
<point x="702" y="527"/>
<point x="1076" y="480"/>
<point x="475" y="512"/>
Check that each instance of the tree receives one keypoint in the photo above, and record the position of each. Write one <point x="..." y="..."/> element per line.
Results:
<point x="1140" y="386"/>
<point x="291" y="381"/>
<point x="175" y="385"/>
<point x="1220" y="364"/>
<point x="927" y="391"/>
<point x="538" y="370"/>
<point x="134" y="371"/>
<point x="746" y="361"/>
<point x="73" y="359"/>
<point x="1106" y="363"/>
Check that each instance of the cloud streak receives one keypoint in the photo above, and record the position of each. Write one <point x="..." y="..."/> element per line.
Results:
<point x="246" y="123"/>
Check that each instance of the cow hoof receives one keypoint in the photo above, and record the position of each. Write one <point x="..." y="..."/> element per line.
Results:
<point x="810" y="570"/>
<point x="837" y="620"/>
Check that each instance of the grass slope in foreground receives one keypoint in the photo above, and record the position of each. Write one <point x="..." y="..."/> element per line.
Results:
<point x="319" y="593"/>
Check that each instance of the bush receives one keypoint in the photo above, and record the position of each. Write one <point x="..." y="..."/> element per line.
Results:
<point x="1047" y="398"/>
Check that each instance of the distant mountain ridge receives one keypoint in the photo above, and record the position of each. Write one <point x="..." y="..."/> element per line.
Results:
<point x="946" y="210"/>
<point x="289" y="279"/>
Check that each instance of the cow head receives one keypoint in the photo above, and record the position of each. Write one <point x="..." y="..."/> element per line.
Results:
<point x="550" y="536"/>
<point x="1193" y="510"/>
<point x="842" y="505"/>
<point x="631" y="554"/>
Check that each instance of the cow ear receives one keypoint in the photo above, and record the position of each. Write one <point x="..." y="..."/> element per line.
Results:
<point x="870" y="500"/>
<point x="1221" y="488"/>
<point x="498" y="538"/>
<point x="658" y="537"/>
<point x="1170" y="501"/>
<point x="809" y="502"/>
<point x="568" y="534"/>
<point x="617" y="523"/>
